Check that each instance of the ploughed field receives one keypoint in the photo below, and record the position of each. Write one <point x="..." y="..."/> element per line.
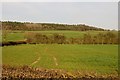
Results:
<point x="101" y="59"/>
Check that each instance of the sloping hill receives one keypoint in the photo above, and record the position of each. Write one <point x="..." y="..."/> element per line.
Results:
<point x="46" y="26"/>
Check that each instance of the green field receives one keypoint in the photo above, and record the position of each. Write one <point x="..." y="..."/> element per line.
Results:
<point x="17" y="35"/>
<point x="95" y="58"/>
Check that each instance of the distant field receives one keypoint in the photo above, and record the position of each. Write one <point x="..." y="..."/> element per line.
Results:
<point x="20" y="35"/>
<point x="95" y="58"/>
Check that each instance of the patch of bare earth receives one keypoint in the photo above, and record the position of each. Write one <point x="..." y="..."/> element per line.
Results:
<point x="26" y="73"/>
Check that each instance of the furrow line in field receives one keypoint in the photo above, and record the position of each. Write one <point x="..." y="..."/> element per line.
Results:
<point x="35" y="61"/>
<point x="55" y="60"/>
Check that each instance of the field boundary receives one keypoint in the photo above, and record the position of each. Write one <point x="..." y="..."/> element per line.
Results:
<point x="10" y="73"/>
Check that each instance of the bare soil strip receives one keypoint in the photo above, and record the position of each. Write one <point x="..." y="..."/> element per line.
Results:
<point x="55" y="60"/>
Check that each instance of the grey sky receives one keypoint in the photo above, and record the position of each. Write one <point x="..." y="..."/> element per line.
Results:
<point x="99" y="14"/>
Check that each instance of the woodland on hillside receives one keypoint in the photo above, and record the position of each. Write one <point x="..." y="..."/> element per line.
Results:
<point x="8" y="25"/>
<point x="38" y="38"/>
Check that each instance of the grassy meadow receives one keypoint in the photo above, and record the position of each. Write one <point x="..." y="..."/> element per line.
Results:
<point x="71" y="57"/>
<point x="96" y="58"/>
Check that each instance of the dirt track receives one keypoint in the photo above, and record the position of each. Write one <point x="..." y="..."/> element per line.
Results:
<point x="25" y="72"/>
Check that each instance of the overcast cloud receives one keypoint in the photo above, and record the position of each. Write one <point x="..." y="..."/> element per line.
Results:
<point x="99" y="14"/>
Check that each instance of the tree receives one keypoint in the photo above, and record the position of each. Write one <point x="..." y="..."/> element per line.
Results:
<point x="59" y="38"/>
<point x="110" y="37"/>
<point x="100" y="38"/>
<point x="87" y="38"/>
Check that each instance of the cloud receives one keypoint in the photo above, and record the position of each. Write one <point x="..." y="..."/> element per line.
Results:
<point x="59" y="1"/>
<point x="98" y="14"/>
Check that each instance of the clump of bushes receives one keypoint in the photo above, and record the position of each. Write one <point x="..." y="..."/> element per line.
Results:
<point x="36" y="38"/>
<point x="101" y="38"/>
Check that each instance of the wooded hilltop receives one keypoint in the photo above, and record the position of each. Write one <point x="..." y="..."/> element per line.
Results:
<point x="9" y="25"/>
<point x="109" y="37"/>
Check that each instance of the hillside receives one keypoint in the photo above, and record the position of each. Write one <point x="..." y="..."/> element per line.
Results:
<point x="9" y="25"/>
